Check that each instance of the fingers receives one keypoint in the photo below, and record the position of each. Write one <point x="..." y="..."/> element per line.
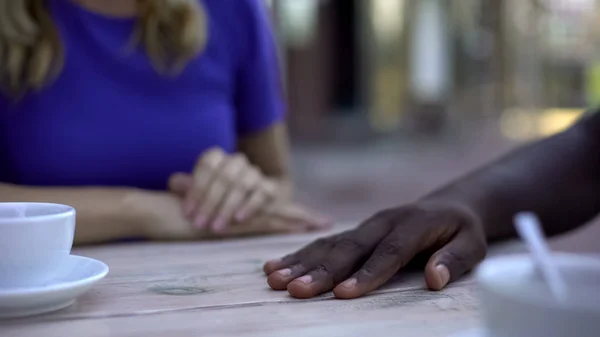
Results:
<point x="387" y="242"/>
<point x="393" y="253"/>
<point x="225" y="214"/>
<point x="274" y="265"/>
<point x="318" y="267"/>
<point x="316" y="249"/>
<point x="256" y="199"/>
<point x="222" y="189"/>
<point x="264" y="225"/>
<point x="310" y="218"/>
<point x="342" y="260"/>
<point x="225" y="186"/>
<point x="282" y="271"/>
<point x="206" y="170"/>
<point x="458" y="257"/>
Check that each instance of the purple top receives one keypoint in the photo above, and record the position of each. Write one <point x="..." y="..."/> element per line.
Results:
<point x="110" y="119"/>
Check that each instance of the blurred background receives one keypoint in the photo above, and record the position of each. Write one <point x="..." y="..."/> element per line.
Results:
<point x="390" y="98"/>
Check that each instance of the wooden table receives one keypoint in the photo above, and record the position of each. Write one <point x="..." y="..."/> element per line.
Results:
<point x="218" y="289"/>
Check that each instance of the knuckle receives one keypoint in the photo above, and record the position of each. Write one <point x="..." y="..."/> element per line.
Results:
<point x="217" y="187"/>
<point x="237" y="194"/>
<point x="268" y="192"/>
<point x="211" y="159"/>
<point x="319" y="247"/>
<point x="244" y="187"/>
<point x="289" y="257"/>
<point x="252" y="173"/>
<point x="458" y="262"/>
<point x="366" y="273"/>
<point x="258" y="198"/>
<point x="215" y="152"/>
<point x="269" y="188"/>
<point x="385" y="214"/>
<point x="390" y="249"/>
<point x="297" y="268"/>
<point x="386" y="218"/>
<point x="322" y="269"/>
<point x="348" y="243"/>
<point x="230" y="177"/>
<point x="247" y="183"/>
<point x="323" y="242"/>
<point x="227" y="178"/>
<point x="212" y="197"/>
<point x="239" y="159"/>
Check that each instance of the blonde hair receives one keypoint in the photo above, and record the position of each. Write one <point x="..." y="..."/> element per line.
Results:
<point x="31" y="53"/>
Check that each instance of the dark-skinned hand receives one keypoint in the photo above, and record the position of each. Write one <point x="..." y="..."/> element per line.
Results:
<point x="360" y="260"/>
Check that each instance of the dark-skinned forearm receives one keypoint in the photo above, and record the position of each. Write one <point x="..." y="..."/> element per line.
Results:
<point x="558" y="178"/>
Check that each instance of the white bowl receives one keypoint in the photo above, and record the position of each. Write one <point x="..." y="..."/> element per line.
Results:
<point x="35" y="239"/>
<point x="516" y="302"/>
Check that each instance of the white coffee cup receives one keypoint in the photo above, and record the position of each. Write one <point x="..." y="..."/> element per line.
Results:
<point x="515" y="301"/>
<point x="35" y="240"/>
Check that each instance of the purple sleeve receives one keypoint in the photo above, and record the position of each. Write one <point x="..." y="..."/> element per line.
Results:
<point x="259" y="99"/>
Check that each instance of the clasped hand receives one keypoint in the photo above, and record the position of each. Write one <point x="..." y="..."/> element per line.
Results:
<point x="226" y="191"/>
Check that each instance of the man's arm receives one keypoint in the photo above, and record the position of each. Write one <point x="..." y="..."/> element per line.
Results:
<point x="558" y="178"/>
<point x="103" y="214"/>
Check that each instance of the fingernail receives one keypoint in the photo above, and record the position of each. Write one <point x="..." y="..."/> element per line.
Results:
<point x="443" y="274"/>
<point x="306" y="279"/>
<point x="200" y="220"/>
<point x="285" y="272"/>
<point x="349" y="283"/>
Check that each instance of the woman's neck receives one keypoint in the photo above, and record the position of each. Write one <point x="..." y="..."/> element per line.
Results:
<point x="116" y="8"/>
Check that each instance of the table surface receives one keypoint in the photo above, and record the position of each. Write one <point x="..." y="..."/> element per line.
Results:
<point x="219" y="289"/>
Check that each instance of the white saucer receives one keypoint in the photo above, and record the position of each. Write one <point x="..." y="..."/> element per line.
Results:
<point x="73" y="279"/>
<point x="478" y="332"/>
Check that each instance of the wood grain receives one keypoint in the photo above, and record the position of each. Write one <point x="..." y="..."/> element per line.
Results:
<point x="218" y="289"/>
<point x="153" y="278"/>
<point x="403" y="313"/>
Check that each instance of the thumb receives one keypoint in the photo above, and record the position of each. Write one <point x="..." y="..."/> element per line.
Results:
<point x="455" y="259"/>
<point x="301" y="214"/>
<point x="181" y="183"/>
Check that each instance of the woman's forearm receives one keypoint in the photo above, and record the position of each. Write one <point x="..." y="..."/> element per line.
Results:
<point x="269" y="151"/>
<point x="102" y="213"/>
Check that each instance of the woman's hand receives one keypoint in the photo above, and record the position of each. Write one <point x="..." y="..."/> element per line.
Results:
<point x="162" y="216"/>
<point x="280" y="218"/>
<point x="225" y="188"/>
<point x="360" y="260"/>
<point x="166" y="222"/>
